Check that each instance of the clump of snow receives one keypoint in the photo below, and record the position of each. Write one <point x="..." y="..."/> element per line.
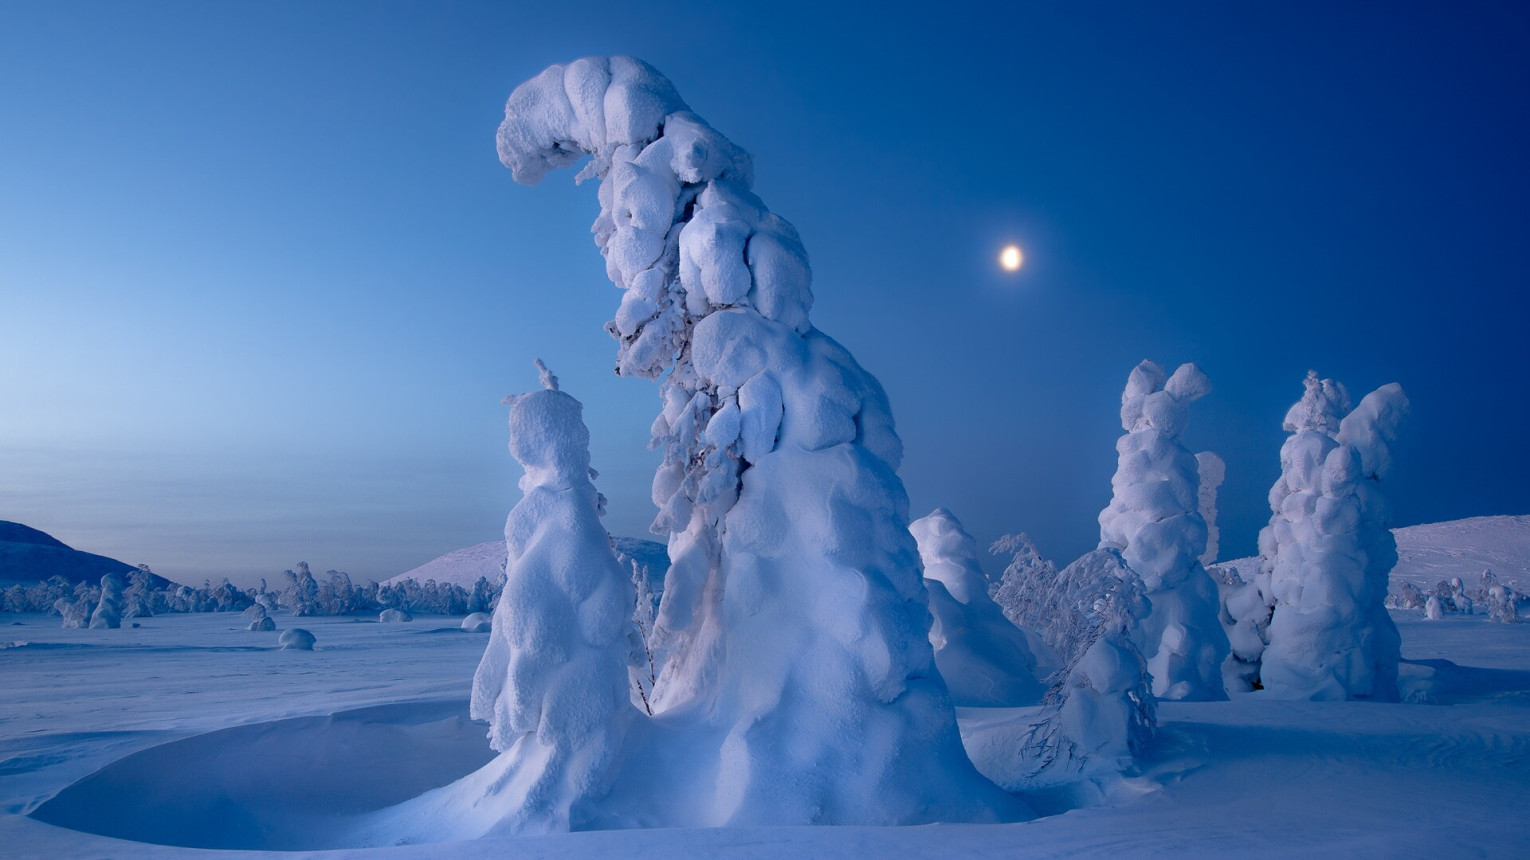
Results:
<point x="793" y="620"/>
<point x="108" y="614"/>
<point x="1328" y="549"/>
<point x="394" y="616"/>
<point x="478" y="622"/>
<point x="553" y="681"/>
<point x="1154" y="521"/>
<point x="296" y="639"/>
<point x="984" y="659"/>
<point x="263" y="624"/>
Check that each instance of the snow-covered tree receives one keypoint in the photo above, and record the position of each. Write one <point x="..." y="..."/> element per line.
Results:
<point x="553" y="680"/>
<point x="108" y="614"/>
<point x="1154" y="521"/>
<point x="793" y="615"/>
<point x="1020" y="590"/>
<point x="984" y="659"/>
<point x="1212" y="472"/>
<point x="138" y="599"/>
<point x="76" y="613"/>
<point x="1501" y="601"/>
<point x="301" y="596"/>
<point x="1100" y="712"/>
<point x="1408" y="596"/>
<point x="1328" y="549"/>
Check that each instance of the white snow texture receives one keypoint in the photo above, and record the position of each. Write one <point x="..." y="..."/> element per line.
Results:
<point x="1154" y="521"/>
<point x="984" y="659"/>
<point x="793" y="623"/>
<point x="553" y="679"/>
<point x="1328" y="549"/>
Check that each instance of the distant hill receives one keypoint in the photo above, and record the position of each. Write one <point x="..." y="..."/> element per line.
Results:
<point x="1431" y="552"/>
<point x="464" y="566"/>
<point x="28" y="556"/>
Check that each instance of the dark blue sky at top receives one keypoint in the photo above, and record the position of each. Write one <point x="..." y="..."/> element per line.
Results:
<point x="263" y="281"/>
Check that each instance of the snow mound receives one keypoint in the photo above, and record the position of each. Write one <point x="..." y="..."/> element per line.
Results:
<point x="394" y="616"/>
<point x="478" y="622"/>
<point x="296" y="639"/>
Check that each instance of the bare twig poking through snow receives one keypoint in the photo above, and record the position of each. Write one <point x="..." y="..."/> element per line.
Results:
<point x="1328" y="549"/>
<point x="794" y="615"/>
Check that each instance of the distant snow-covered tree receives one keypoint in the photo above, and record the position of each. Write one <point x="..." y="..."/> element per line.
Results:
<point x="301" y="596"/>
<point x="1022" y="590"/>
<point x="108" y="614"/>
<point x="138" y="599"/>
<point x="1328" y="549"/>
<point x="1212" y="472"/>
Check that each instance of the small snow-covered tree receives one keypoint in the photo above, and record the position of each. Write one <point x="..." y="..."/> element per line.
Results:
<point x="1329" y="549"/>
<point x="1100" y="712"/>
<point x="553" y="680"/>
<point x="108" y="614"/>
<point x="138" y="599"/>
<point x="793" y="614"/>
<point x="76" y="613"/>
<point x="1154" y="521"/>
<point x="1408" y="596"/>
<point x="301" y="596"/>
<point x="1502" y="602"/>
<point x="983" y="658"/>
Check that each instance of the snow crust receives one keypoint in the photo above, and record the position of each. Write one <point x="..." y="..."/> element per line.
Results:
<point x="984" y="659"/>
<point x="1328" y="549"/>
<point x="793" y="623"/>
<point x="1154" y="521"/>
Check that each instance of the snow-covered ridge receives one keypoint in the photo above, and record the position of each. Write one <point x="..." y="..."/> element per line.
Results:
<point x="1430" y="552"/>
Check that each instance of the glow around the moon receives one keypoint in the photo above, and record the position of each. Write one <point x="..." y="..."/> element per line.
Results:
<point x="1011" y="258"/>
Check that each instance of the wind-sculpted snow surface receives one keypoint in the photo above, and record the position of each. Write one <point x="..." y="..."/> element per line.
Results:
<point x="984" y="659"/>
<point x="1328" y="549"/>
<point x="793" y="621"/>
<point x="1154" y="521"/>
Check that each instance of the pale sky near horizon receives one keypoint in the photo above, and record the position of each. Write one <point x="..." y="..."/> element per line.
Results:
<point x="263" y="280"/>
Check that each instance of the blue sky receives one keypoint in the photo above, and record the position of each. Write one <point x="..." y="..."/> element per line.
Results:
<point x="263" y="281"/>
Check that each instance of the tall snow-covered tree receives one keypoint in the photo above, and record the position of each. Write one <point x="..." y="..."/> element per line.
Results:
<point x="108" y="614"/>
<point x="1154" y="521"/>
<point x="1328" y="550"/>
<point x="794" y="616"/>
<point x="1212" y="471"/>
<point x="984" y="659"/>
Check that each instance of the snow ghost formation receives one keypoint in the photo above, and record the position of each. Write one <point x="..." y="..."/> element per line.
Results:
<point x="1328" y="550"/>
<point x="553" y="680"/>
<point x="983" y="658"/>
<point x="794" y="619"/>
<point x="108" y="614"/>
<point x="1154" y="521"/>
<point x="1212" y="472"/>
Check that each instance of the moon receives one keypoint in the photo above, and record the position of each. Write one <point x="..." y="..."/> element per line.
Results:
<point x="1010" y="258"/>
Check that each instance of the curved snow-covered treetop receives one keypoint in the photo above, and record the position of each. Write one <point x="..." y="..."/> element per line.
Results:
<point x="794" y="614"/>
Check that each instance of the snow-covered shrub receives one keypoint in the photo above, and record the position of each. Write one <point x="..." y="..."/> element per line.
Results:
<point x="553" y="681"/>
<point x="296" y="639"/>
<point x="301" y="596"/>
<point x="1100" y="711"/>
<point x="1154" y="521"/>
<point x="478" y="622"/>
<point x="108" y="614"/>
<point x="263" y="624"/>
<point x="76" y="613"/>
<point x="138" y="599"/>
<point x="1433" y="610"/>
<point x="1023" y="591"/>
<point x="1212" y="472"/>
<point x="1329" y="549"/>
<point x="229" y="598"/>
<point x="793" y="615"/>
<point x="983" y="658"/>
<point x="1407" y="596"/>
<point x="394" y="616"/>
<point x="1245" y="616"/>
<point x="1501" y="601"/>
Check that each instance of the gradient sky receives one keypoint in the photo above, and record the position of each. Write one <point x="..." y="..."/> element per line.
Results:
<point x="263" y="280"/>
